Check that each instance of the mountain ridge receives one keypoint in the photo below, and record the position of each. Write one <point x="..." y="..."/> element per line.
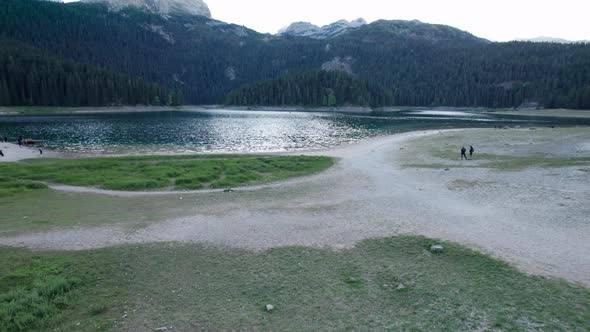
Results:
<point x="306" y="29"/>
<point x="545" y="39"/>
<point x="419" y="64"/>
<point x="165" y="7"/>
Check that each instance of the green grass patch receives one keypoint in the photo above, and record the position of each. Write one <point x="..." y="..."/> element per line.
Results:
<point x="32" y="293"/>
<point x="10" y="186"/>
<point x="386" y="284"/>
<point x="157" y="172"/>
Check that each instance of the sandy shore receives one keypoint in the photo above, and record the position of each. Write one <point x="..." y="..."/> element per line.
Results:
<point x="535" y="218"/>
<point x="561" y="113"/>
<point x="12" y="152"/>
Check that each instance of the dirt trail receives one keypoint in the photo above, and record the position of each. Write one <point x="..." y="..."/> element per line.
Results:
<point x="367" y="195"/>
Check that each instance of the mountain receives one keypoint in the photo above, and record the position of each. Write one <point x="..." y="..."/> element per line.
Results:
<point x="204" y="59"/>
<point x="306" y="29"/>
<point x="553" y="40"/>
<point x="167" y="7"/>
<point x="384" y="31"/>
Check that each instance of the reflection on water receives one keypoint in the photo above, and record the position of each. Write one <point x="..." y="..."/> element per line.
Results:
<point x="235" y="131"/>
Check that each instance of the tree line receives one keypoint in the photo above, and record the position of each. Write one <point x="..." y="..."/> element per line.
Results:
<point x="314" y="88"/>
<point x="418" y="64"/>
<point x="30" y="79"/>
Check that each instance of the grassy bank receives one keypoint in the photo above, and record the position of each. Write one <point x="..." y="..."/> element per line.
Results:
<point x="157" y="172"/>
<point x="502" y="150"/>
<point x="42" y="210"/>
<point x="392" y="283"/>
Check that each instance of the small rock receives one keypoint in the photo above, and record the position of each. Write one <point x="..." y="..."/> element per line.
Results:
<point x="163" y="328"/>
<point x="447" y="169"/>
<point x="400" y="287"/>
<point x="228" y="190"/>
<point x="437" y="248"/>
<point x="269" y="307"/>
<point x="180" y="198"/>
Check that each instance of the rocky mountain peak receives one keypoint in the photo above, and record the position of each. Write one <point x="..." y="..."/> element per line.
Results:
<point x="306" y="29"/>
<point x="189" y="7"/>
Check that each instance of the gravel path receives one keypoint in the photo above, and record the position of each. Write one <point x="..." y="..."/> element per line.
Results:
<point x="536" y="219"/>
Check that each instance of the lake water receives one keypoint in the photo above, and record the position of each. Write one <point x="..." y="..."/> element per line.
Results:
<point x="238" y="131"/>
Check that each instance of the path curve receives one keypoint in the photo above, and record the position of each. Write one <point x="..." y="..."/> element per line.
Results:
<point x="365" y="195"/>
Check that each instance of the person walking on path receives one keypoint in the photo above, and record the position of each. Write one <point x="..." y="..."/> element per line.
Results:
<point x="20" y="141"/>
<point x="1" y="153"/>
<point x="471" y="151"/>
<point x="463" y="153"/>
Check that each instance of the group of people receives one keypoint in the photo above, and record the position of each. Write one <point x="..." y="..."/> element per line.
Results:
<point x="20" y="142"/>
<point x="464" y="153"/>
<point x="5" y="140"/>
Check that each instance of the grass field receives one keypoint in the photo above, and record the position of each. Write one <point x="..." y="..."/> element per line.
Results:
<point x="156" y="172"/>
<point x="42" y="210"/>
<point x="393" y="283"/>
<point x="502" y="150"/>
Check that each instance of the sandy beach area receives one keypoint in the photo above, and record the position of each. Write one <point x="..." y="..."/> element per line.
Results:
<point x="533" y="217"/>
<point x="13" y="152"/>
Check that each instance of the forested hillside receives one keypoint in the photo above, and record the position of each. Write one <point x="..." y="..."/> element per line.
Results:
<point x="316" y="88"/>
<point x="419" y="64"/>
<point x="27" y="78"/>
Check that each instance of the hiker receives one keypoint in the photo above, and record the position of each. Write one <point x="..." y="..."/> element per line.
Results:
<point x="463" y="151"/>
<point x="5" y="139"/>
<point x="1" y="153"/>
<point x="40" y="152"/>
<point x="471" y="151"/>
<point x="20" y="140"/>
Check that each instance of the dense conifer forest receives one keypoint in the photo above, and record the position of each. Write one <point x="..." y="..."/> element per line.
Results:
<point x="418" y="64"/>
<point x="316" y="88"/>
<point x="30" y="79"/>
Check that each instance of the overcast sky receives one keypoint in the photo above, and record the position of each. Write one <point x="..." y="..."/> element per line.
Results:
<point x="498" y="20"/>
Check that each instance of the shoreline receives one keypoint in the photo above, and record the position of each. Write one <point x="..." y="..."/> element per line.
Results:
<point x="370" y="193"/>
<point x="42" y="110"/>
<point x="551" y="113"/>
<point x="56" y="110"/>
<point x="56" y="153"/>
<point x="13" y="153"/>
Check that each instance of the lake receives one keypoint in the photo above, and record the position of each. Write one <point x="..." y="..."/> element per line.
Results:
<point x="238" y="131"/>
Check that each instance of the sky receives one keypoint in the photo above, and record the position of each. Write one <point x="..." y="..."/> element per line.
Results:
<point x="497" y="20"/>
